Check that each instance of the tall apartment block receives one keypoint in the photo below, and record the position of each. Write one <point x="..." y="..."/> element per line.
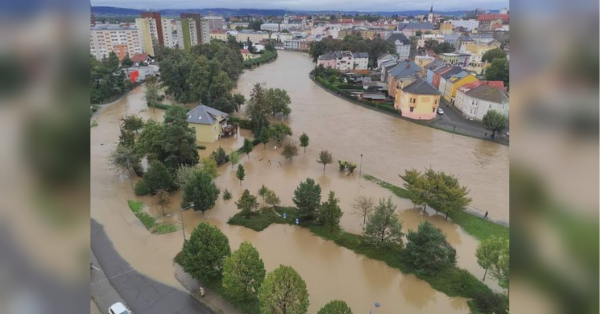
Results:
<point x="156" y="21"/>
<point x="121" y="39"/>
<point x="148" y="32"/>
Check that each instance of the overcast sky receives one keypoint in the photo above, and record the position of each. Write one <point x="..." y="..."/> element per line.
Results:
<point x="344" y="5"/>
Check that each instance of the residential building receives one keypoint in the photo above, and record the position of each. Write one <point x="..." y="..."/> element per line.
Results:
<point x="148" y="34"/>
<point x="411" y="29"/>
<point x="400" y="71"/>
<point x="468" y="25"/>
<point x="402" y="44"/>
<point x="456" y="81"/>
<point x="416" y="99"/>
<point x="345" y="61"/>
<point x="120" y="39"/>
<point x="140" y="59"/>
<point x="444" y="74"/>
<point x="278" y="27"/>
<point x="169" y="32"/>
<point x="208" y="123"/>
<point x="385" y="68"/>
<point x="219" y="34"/>
<point x="425" y="37"/>
<point x="215" y="22"/>
<point x="236" y="25"/>
<point x="246" y="55"/>
<point x="427" y="65"/>
<point x="296" y="44"/>
<point x="281" y="36"/>
<point x="453" y="39"/>
<point x="446" y="28"/>
<point x="254" y="36"/>
<point x="187" y="33"/>
<point x="385" y="58"/>
<point x="478" y="47"/>
<point x="475" y="99"/>
<point x="156" y="23"/>
<point x="453" y="58"/>
<point x="486" y="20"/>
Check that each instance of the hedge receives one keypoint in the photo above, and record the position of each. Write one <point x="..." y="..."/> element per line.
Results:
<point x="243" y="123"/>
<point x="159" y="106"/>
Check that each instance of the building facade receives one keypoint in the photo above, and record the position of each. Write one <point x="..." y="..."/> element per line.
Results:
<point x="218" y="34"/>
<point x="156" y="22"/>
<point x="344" y="61"/>
<point x="416" y="99"/>
<point x="455" y="82"/>
<point x="476" y="99"/>
<point x="120" y="39"/>
<point x="453" y="58"/>
<point x="402" y="44"/>
<point x="468" y="25"/>
<point x="148" y="34"/>
<point x="254" y="37"/>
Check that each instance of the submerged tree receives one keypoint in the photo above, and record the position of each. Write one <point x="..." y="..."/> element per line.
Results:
<point x="204" y="253"/>
<point x="243" y="273"/>
<point x="325" y="158"/>
<point x="247" y="204"/>
<point x="330" y="212"/>
<point x="201" y="191"/>
<point x="240" y="173"/>
<point x="363" y="206"/>
<point x="304" y="140"/>
<point x="494" y="121"/>
<point x="383" y="225"/>
<point x="289" y="151"/>
<point x="283" y="291"/>
<point x="307" y="198"/>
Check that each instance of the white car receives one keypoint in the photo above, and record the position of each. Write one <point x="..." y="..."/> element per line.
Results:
<point x="118" y="308"/>
<point x="440" y="111"/>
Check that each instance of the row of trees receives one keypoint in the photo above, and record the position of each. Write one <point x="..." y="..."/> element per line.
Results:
<point x="437" y="189"/>
<point x="264" y="104"/>
<point x="376" y="47"/>
<point x="107" y="78"/>
<point x="206" y="73"/>
<point x="207" y="256"/>
<point x="268" y="55"/>
<point x="438" y="47"/>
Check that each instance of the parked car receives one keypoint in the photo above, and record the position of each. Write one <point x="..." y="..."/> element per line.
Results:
<point x="440" y="111"/>
<point x="118" y="308"/>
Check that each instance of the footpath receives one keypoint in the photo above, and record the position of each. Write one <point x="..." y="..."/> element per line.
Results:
<point x="210" y="299"/>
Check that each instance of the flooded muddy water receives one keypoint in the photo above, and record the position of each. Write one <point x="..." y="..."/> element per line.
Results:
<point x="331" y="272"/>
<point x="389" y="145"/>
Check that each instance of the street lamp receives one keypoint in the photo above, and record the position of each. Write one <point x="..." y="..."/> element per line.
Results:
<point x="377" y="304"/>
<point x="181" y="218"/>
<point x="360" y="168"/>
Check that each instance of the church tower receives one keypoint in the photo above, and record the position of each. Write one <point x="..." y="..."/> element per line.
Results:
<point x="430" y="16"/>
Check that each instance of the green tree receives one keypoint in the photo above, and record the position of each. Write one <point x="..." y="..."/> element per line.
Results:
<point x="498" y="71"/>
<point x="325" y="158"/>
<point x="243" y="273"/>
<point x="151" y="93"/>
<point x="127" y="138"/>
<point x="112" y="63"/>
<point x="255" y="24"/>
<point x="444" y="47"/>
<point x="240" y="173"/>
<point x="444" y="192"/>
<point x="179" y="141"/>
<point x="247" y="204"/>
<point x="271" y="198"/>
<point x="234" y="157"/>
<point x="184" y="174"/>
<point x="430" y="44"/>
<point x="132" y="123"/>
<point x="416" y="186"/>
<point x="204" y="253"/>
<point x="418" y="33"/>
<point x="330" y="212"/>
<point x="123" y="158"/>
<point x="492" y="54"/>
<point x="263" y="191"/>
<point x="304" y="140"/>
<point x="175" y="69"/>
<point x="258" y="109"/>
<point x="289" y="151"/>
<point x="335" y="307"/>
<point x="126" y="63"/>
<point x="158" y="177"/>
<point x="209" y="166"/>
<point x="427" y="250"/>
<point x="201" y="191"/>
<point x="307" y="198"/>
<point x="150" y="141"/>
<point x="488" y="252"/>
<point x="247" y="147"/>
<point x="264" y="136"/>
<point x="163" y="198"/>
<point x="280" y="131"/>
<point x="224" y="104"/>
<point x="283" y="291"/>
<point x="238" y="101"/>
<point x="494" y="121"/>
<point x="278" y="101"/>
<point x="501" y="270"/>
<point x="383" y="225"/>
<point x="363" y="207"/>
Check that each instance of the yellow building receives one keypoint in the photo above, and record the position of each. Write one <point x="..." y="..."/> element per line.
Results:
<point x="454" y="82"/>
<point x="446" y="28"/>
<point x="477" y="48"/>
<point x="219" y="34"/>
<point x="416" y="99"/>
<point x="145" y="29"/>
<point x="208" y="123"/>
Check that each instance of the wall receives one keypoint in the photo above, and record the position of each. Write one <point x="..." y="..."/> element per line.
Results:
<point x="425" y="106"/>
<point x="207" y="133"/>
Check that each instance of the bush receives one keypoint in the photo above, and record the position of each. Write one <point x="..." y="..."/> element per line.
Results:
<point x="255" y="142"/>
<point x="159" y="106"/>
<point x="488" y="303"/>
<point x="141" y="188"/>
<point x="227" y="195"/>
<point x="139" y="170"/>
<point x="243" y="123"/>
<point x="349" y="86"/>
<point x="202" y="147"/>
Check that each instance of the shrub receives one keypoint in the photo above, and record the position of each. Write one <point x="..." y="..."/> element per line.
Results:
<point x="159" y="106"/>
<point x="255" y="142"/>
<point x="351" y="167"/>
<point x="227" y="195"/>
<point x="141" y="188"/>
<point x="488" y="303"/>
<point x="202" y="147"/>
<point x="342" y="165"/>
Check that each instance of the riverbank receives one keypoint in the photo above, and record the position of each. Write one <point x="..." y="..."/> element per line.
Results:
<point x="437" y="123"/>
<point x="453" y="281"/>
<point x="471" y="221"/>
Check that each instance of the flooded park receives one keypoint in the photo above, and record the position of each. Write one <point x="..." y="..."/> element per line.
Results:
<point x="389" y="145"/>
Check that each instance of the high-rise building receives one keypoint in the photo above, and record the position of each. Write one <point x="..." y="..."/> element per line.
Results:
<point x="187" y="34"/>
<point x="169" y="32"/>
<point x="121" y="39"/>
<point x="155" y="16"/>
<point x="205" y="31"/>
<point x="148" y="33"/>
<point x="215" y="22"/>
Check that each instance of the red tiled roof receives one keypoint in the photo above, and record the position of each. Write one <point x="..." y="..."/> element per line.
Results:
<point x="218" y="31"/>
<point x="139" y="57"/>
<point x="244" y="51"/>
<point x="473" y="85"/>
<point x="491" y="17"/>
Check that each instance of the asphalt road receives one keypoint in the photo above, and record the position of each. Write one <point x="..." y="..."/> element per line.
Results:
<point x="141" y="294"/>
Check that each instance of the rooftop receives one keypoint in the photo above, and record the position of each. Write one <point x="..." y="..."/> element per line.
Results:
<point x="425" y="25"/>
<point x="421" y="87"/>
<point x="205" y="115"/>
<point x="405" y="69"/>
<point x="398" y="36"/>
<point x="489" y="93"/>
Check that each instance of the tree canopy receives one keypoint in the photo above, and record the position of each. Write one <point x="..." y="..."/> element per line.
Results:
<point x="335" y="307"/>
<point x="427" y="250"/>
<point x="488" y="253"/>
<point x="498" y="71"/>
<point x="383" y="225"/>
<point x="330" y="213"/>
<point x="283" y="291"/>
<point x="304" y="141"/>
<point x="492" y="54"/>
<point x="494" y="121"/>
<point x="204" y="253"/>
<point x="201" y="191"/>
<point x="247" y="204"/>
<point x="307" y="198"/>
<point x="158" y="177"/>
<point x="289" y="150"/>
<point x="243" y="272"/>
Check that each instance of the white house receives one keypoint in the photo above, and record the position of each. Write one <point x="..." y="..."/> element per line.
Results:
<point x="344" y="61"/>
<point x="475" y="99"/>
<point x="402" y="44"/>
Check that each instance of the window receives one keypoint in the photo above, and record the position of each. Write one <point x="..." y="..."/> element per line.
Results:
<point x="435" y="102"/>
<point x="412" y="109"/>
<point x="433" y="109"/>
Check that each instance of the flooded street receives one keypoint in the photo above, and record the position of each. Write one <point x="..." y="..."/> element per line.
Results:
<point x="389" y="145"/>
<point x="346" y="130"/>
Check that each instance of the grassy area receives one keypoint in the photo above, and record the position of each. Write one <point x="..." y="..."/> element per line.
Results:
<point x="452" y="281"/>
<point x="476" y="226"/>
<point x="148" y="221"/>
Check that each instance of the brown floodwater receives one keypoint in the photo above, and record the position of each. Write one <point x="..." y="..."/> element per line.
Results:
<point x="389" y="145"/>
<point x="331" y="272"/>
